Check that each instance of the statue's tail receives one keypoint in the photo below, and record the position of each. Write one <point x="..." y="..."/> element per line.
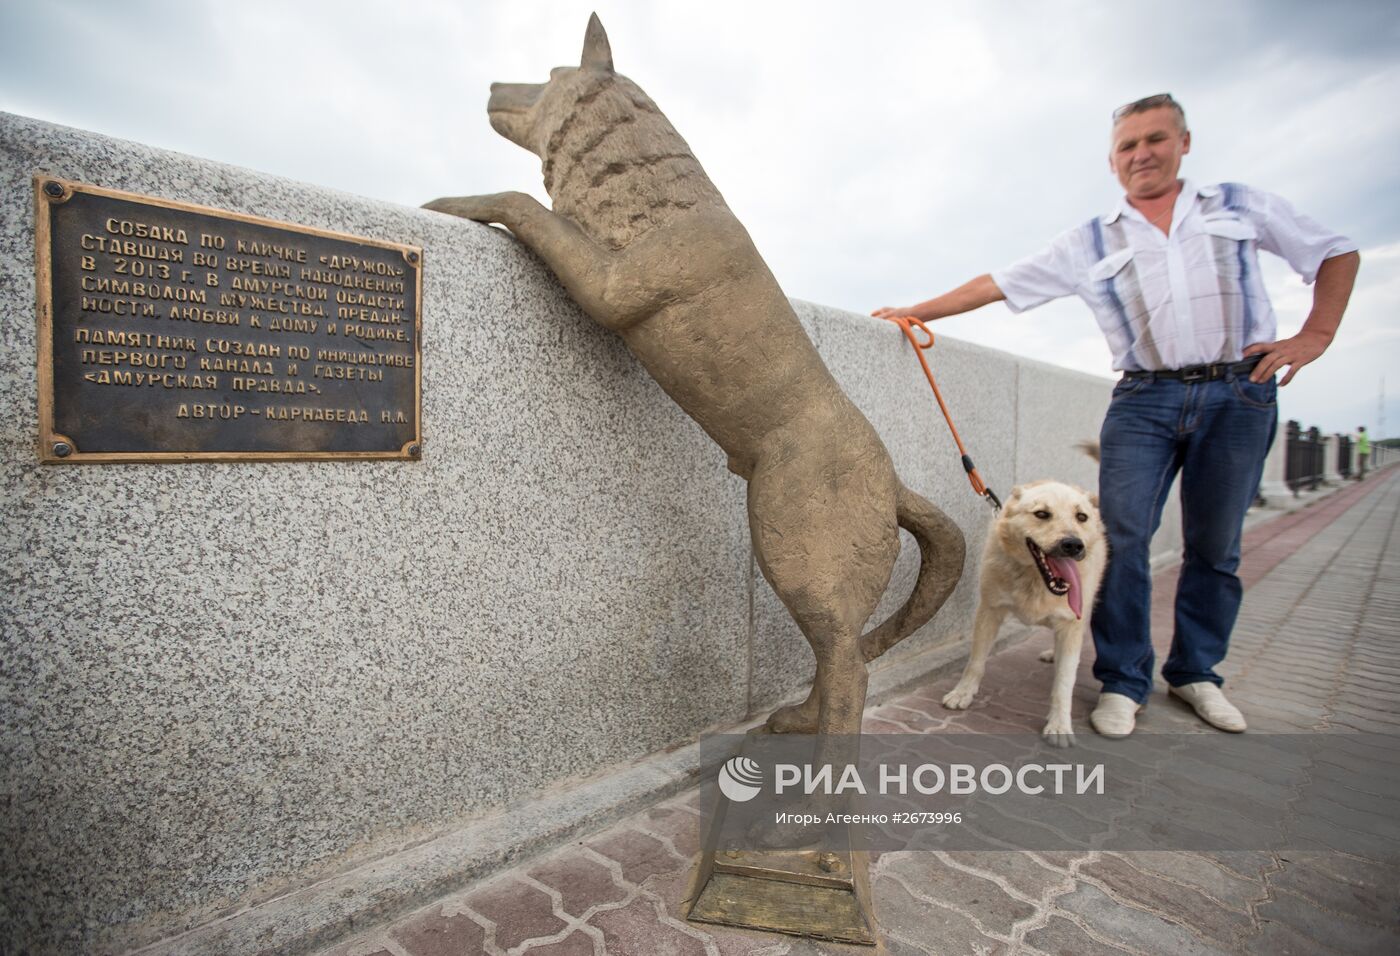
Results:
<point x="942" y="550"/>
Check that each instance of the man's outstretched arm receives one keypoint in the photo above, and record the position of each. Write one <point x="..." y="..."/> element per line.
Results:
<point x="966" y="297"/>
<point x="1335" y="278"/>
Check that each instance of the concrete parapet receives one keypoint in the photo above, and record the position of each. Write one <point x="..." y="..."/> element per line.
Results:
<point x="1329" y="458"/>
<point x="1273" y="485"/>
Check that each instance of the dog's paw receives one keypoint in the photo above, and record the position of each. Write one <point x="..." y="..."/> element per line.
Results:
<point x="793" y="720"/>
<point x="960" y="697"/>
<point x="1048" y="655"/>
<point x="1058" y="732"/>
<point x="480" y="208"/>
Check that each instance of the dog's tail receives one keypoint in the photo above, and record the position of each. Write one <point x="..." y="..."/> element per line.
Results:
<point x="942" y="550"/>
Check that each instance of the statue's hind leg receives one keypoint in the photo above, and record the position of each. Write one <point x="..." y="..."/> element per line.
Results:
<point x="826" y="541"/>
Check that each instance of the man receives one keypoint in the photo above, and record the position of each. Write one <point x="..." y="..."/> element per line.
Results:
<point x="1363" y="450"/>
<point x="1172" y="277"/>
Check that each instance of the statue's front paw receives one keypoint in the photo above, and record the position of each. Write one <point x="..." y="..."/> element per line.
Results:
<point x="479" y="208"/>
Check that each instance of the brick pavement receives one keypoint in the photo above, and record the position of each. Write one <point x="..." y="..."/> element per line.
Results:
<point x="1309" y="655"/>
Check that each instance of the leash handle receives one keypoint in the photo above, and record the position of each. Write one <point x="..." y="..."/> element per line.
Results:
<point x="907" y="324"/>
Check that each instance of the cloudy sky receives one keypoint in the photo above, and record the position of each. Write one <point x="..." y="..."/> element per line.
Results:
<point x="879" y="152"/>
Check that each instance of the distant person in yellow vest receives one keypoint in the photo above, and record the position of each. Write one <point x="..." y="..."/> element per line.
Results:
<point x="1363" y="451"/>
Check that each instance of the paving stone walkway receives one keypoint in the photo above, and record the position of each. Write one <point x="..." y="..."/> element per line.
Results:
<point x="1314" y="651"/>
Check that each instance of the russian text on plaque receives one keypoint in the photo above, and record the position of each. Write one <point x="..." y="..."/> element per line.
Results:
<point x="171" y="332"/>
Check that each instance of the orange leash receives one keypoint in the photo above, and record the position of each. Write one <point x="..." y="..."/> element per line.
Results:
<point x="906" y="324"/>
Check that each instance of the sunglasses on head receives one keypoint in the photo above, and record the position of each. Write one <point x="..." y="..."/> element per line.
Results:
<point x="1146" y="103"/>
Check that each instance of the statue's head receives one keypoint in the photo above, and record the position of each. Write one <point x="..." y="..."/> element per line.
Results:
<point x="529" y="114"/>
<point x="610" y="160"/>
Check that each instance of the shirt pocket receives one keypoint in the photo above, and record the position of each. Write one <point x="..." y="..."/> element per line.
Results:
<point x="1110" y="265"/>
<point x="1229" y="239"/>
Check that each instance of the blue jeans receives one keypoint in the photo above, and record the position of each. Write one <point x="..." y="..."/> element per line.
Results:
<point x="1216" y="435"/>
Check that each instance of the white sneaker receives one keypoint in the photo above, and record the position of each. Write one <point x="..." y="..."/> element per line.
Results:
<point x="1115" y="715"/>
<point x="1211" y="706"/>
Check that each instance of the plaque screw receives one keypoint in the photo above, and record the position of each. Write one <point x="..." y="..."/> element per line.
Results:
<point x="62" y="449"/>
<point x="54" y="190"/>
<point x="415" y="451"/>
<point x="413" y="257"/>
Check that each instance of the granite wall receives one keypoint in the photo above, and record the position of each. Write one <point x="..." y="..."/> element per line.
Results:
<point x="223" y="680"/>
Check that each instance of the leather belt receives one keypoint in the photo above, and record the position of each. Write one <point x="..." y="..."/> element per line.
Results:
<point x="1198" y="373"/>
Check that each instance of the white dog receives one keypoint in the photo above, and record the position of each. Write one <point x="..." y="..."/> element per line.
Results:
<point x="1043" y="563"/>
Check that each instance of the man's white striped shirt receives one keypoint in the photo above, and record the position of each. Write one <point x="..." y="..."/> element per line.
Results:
<point x="1190" y="297"/>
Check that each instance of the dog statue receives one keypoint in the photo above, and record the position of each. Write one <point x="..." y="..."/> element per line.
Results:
<point x="644" y="243"/>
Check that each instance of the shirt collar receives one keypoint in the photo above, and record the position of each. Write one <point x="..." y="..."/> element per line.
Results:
<point x="1188" y="188"/>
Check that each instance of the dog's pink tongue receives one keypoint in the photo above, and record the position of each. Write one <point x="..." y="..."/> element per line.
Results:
<point x="1068" y="571"/>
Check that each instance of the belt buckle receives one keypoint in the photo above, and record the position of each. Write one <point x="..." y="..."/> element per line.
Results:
<point x="1196" y="373"/>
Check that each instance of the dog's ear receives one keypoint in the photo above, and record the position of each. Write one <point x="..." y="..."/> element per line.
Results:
<point x="597" y="53"/>
<point x="1015" y="497"/>
<point x="1094" y="500"/>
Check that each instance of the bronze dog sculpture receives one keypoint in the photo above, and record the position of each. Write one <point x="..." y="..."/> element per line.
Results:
<point x="644" y="243"/>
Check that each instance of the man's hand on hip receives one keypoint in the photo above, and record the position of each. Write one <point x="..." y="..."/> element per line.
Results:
<point x="1335" y="278"/>
<point x="1295" y="353"/>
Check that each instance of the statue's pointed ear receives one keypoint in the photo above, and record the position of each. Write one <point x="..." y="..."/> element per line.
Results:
<point x="597" y="54"/>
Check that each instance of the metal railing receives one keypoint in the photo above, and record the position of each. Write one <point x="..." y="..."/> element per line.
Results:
<point x="1344" y="455"/>
<point x="1304" y="463"/>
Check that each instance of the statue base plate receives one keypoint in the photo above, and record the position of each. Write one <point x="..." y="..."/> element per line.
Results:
<point x="799" y="892"/>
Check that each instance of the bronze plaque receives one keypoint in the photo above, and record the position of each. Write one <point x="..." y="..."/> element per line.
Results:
<point x="170" y="332"/>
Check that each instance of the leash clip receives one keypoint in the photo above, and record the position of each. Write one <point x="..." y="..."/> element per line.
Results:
<point x="993" y="500"/>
